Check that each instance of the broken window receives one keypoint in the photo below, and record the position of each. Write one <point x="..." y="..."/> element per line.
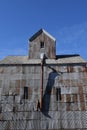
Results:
<point x="42" y="45"/>
<point x="58" y="94"/>
<point x="25" y="92"/>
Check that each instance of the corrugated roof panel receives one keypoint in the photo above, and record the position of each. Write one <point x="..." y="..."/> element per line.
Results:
<point x="25" y="60"/>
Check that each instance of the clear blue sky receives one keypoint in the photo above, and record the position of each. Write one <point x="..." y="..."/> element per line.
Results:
<point x="66" y="20"/>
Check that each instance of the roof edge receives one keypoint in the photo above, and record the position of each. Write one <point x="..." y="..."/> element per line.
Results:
<point x="39" y="32"/>
<point x="49" y="35"/>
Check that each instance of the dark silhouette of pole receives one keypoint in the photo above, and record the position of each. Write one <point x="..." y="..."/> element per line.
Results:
<point x="41" y="86"/>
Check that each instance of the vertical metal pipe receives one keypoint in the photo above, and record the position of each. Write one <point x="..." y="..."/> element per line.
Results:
<point x="41" y="87"/>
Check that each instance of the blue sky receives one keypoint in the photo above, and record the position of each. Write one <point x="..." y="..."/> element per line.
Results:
<point x="66" y="20"/>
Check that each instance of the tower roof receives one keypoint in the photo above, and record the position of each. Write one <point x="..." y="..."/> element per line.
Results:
<point x="39" y="32"/>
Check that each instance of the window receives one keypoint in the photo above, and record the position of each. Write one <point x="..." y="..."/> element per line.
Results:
<point x="25" y="92"/>
<point x="58" y="94"/>
<point x="42" y="45"/>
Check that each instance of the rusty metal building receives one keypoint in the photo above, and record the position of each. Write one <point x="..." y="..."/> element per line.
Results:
<point x="43" y="90"/>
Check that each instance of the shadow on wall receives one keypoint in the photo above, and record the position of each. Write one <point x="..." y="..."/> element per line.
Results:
<point x="47" y="93"/>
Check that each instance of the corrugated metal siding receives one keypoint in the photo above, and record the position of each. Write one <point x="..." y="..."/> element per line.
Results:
<point x="49" y="47"/>
<point x="18" y="113"/>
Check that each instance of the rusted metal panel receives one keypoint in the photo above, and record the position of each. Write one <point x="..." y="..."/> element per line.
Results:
<point x="35" y="48"/>
<point x="67" y="74"/>
<point x="1" y="70"/>
<point x="69" y="113"/>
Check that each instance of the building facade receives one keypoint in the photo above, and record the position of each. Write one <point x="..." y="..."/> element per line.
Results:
<point x="43" y="90"/>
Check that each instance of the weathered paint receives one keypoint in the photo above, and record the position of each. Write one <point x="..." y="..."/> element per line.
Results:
<point x="18" y="113"/>
<point x="65" y="73"/>
<point x="49" y="47"/>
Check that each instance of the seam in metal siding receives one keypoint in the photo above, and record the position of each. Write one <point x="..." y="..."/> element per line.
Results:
<point x="69" y="113"/>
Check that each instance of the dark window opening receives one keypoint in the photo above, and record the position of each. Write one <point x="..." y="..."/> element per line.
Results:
<point x="58" y="94"/>
<point x="14" y="109"/>
<point x="25" y="92"/>
<point x="42" y="45"/>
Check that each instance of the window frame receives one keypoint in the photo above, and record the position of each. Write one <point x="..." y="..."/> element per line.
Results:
<point x="25" y="92"/>
<point x="41" y="44"/>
